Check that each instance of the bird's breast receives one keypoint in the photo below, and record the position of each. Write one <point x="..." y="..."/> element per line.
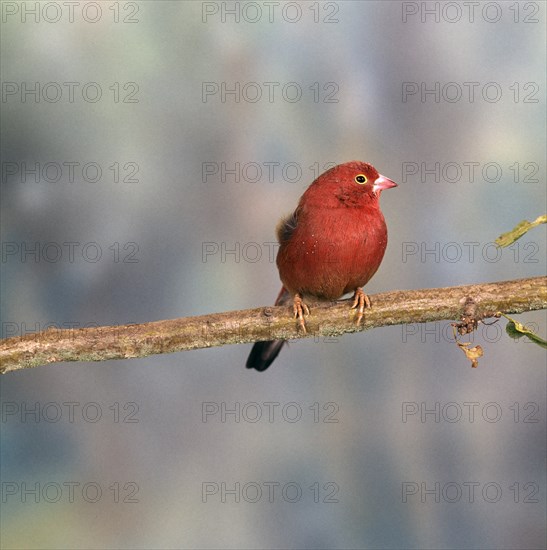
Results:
<point x="333" y="251"/>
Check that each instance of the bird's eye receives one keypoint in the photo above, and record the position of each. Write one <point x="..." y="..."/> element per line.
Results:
<point x="360" y="179"/>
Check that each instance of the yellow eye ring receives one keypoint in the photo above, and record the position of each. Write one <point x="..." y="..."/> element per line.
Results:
<point x="361" y="179"/>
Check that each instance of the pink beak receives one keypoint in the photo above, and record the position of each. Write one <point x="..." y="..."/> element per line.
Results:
<point x="381" y="183"/>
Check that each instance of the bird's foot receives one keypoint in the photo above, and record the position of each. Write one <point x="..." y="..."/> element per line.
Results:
<point x="360" y="301"/>
<point x="300" y="309"/>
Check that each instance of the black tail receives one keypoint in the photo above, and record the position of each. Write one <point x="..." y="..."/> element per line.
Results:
<point x="263" y="354"/>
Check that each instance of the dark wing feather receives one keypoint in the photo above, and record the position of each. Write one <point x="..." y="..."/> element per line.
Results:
<point x="286" y="226"/>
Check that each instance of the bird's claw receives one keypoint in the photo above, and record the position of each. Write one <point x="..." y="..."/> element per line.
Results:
<point x="300" y="309"/>
<point x="360" y="301"/>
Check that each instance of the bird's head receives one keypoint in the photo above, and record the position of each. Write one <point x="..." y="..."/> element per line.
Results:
<point x="350" y="184"/>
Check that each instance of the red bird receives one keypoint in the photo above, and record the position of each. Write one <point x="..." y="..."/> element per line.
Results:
<point x="332" y="244"/>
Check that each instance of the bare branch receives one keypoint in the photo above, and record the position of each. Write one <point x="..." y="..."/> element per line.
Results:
<point x="267" y="323"/>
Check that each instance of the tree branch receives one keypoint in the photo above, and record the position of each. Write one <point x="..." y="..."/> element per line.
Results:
<point x="267" y="323"/>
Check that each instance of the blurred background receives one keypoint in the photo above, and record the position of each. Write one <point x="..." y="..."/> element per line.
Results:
<point x="148" y="150"/>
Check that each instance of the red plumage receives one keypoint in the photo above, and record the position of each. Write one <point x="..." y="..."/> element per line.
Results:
<point x="332" y="244"/>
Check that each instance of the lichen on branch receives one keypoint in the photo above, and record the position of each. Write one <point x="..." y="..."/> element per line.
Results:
<point x="267" y="323"/>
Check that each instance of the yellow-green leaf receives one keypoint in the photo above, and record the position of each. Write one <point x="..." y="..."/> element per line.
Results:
<point x="519" y="230"/>
<point x="517" y="330"/>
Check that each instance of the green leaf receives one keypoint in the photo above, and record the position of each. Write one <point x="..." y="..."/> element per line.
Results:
<point x="518" y="231"/>
<point x="517" y="330"/>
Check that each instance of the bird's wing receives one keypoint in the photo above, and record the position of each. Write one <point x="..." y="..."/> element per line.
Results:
<point x="286" y="226"/>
